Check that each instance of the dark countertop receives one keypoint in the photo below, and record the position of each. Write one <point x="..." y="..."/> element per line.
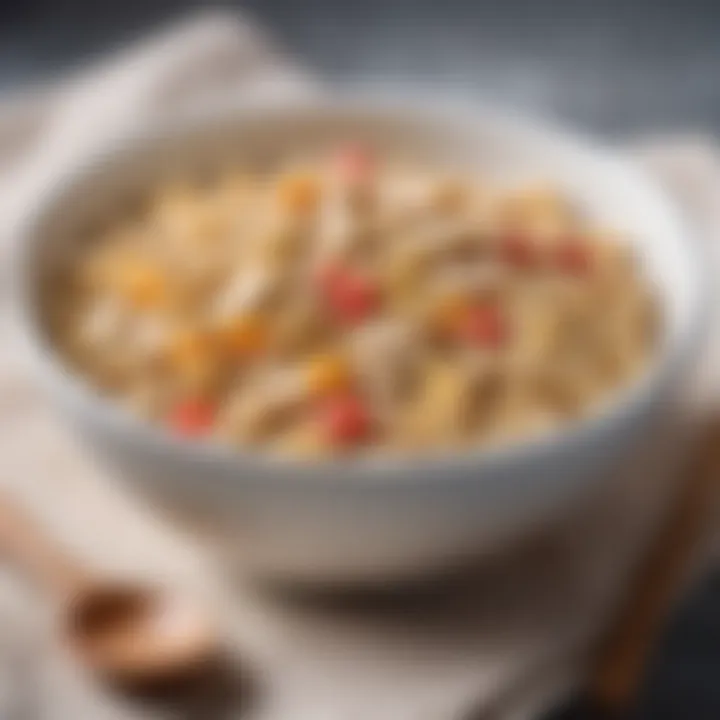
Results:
<point x="684" y="679"/>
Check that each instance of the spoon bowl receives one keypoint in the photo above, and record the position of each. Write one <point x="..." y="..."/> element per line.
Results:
<point x="133" y="634"/>
<point x="127" y="633"/>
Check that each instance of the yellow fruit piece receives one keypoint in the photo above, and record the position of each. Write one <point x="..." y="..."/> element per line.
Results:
<point x="191" y="355"/>
<point x="327" y="374"/>
<point x="298" y="192"/>
<point x="449" y="313"/>
<point x="141" y="284"/>
<point x="245" y="335"/>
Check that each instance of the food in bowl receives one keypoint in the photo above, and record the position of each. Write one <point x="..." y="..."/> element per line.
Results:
<point x="354" y="304"/>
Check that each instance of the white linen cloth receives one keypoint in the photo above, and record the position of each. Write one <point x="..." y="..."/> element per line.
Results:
<point x="501" y="643"/>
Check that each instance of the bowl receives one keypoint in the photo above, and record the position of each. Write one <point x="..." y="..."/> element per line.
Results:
<point x="369" y="519"/>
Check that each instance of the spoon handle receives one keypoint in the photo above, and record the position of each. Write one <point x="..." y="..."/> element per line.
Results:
<point x="27" y="546"/>
<point x="624" y="656"/>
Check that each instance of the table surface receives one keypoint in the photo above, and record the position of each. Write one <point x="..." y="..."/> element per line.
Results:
<point x="619" y="67"/>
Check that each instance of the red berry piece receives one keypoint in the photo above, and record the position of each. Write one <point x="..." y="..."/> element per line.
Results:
<point x="192" y="418"/>
<point x="354" y="164"/>
<point x="484" y="326"/>
<point x="345" y="419"/>
<point x="351" y="296"/>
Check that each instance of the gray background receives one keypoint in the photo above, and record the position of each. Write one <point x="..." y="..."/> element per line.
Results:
<point x="617" y="66"/>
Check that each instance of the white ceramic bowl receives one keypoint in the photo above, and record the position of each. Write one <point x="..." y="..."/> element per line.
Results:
<point x="367" y="519"/>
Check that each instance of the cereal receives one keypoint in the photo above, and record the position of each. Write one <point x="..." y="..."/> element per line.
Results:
<point x="349" y="305"/>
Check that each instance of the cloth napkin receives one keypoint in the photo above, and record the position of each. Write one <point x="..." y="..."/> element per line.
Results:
<point x="502" y="641"/>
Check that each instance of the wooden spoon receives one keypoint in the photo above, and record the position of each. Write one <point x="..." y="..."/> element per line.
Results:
<point x="130" y="634"/>
<point x="622" y="658"/>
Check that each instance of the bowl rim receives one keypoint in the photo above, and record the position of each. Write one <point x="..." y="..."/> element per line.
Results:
<point x="263" y="466"/>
